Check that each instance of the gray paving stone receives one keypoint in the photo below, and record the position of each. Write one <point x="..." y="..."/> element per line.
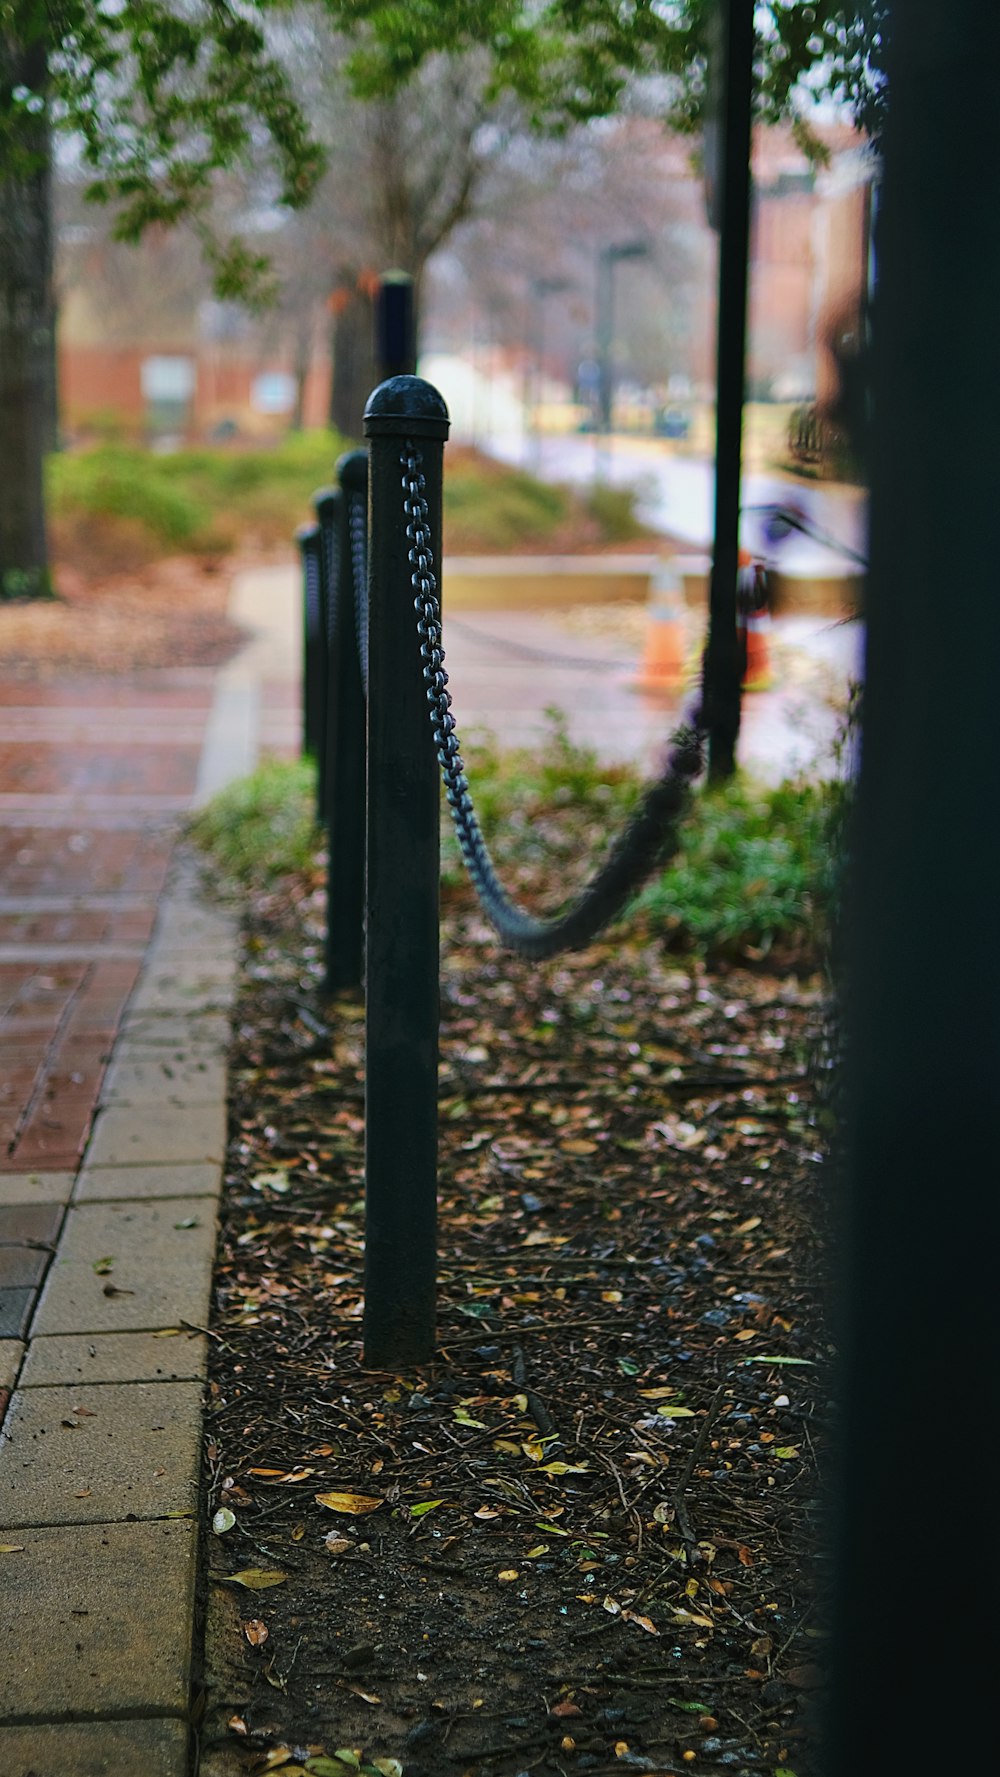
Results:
<point x="179" y="1031"/>
<point x="101" y="1183"/>
<point x="35" y="1187"/>
<point x="112" y="1357"/>
<point x="161" y="1272"/>
<point x="11" y="1352"/>
<point x="15" y="1312"/>
<point x="127" y="1135"/>
<point x="110" y="1612"/>
<point x="21" y="1267"/>
<point x="95" y="1749"/>
<point x="163" y="1079"/>
<point x="187" y="984"/>
<point x="100" y="1453"/>
<point x="28" y="1223"/>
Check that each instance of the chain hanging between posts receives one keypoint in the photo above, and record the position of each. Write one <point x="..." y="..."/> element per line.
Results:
<point x="650" y="837"/>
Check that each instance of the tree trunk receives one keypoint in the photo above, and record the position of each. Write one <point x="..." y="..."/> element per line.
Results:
<point x="26" y="331"/>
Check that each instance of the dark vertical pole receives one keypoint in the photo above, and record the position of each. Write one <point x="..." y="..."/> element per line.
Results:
<point x="402" y="897"/>
<point x="308" y="539"/>
<point x="345" y="774"/>
<point x="920" y="1339"/>
<point x="326" y="505"/>
<point x="395" y="326"/>
<point x="722" y="668"/>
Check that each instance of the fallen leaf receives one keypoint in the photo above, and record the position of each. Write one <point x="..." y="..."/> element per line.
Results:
<point x="256" y="1579"/>
<point x="632" y="1616"/>
<point x="667" y="1412"/>
<point x="224" y="1520"/>
<point x="191" y="1222"/>
<point x="564" y="1710"/>
<point x="747" y="1226"/>
<point x="425" y="1505"/>
<point x="612" y="1606"/>
<point x="255" y="1631"/>
<point x="539" y="1549"/>
<point x="564" y="1468"/>
<point x="578" y="1147"/>
<point x="786" y="1452"/>
<point x="11" y="1548"/>
<point x="486" y="1513"/>
<point x="357" y="1505"/>
<point x="779" y="1360"/>
<point x="288" y="1476"/>
<point x="103" y="1266"/>
<point x="509" y="1573"/>
<point x="461" y="1417"/>
<point x="335" y="1544"/>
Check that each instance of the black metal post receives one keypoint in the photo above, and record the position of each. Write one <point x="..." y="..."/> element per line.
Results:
<point x="722" y="667"/>
<point x="326" y="505"/>
<point x="920" y="1332"/>
<point x="395" y="325"/>
<point x="403" y="845"/>
<point x="308" y="539"/>
<point x="345" y="745"/>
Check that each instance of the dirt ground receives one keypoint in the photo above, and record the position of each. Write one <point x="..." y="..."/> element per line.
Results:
<point x="584" y="1539"/>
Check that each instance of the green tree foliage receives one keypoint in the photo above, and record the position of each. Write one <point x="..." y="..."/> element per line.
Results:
<point x="570" y="60"/>
<point x="159" y="98"/>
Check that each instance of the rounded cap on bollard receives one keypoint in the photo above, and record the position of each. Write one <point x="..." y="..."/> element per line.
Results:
<point x="406" y="407"/>
<point x="352" y="471"/>
<point x="307" y="536"/>
<point x="325" y="502"/>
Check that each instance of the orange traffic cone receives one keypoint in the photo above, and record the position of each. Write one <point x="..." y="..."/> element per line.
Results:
<point x="753" y="603"/>
<point x="663" y="657"/>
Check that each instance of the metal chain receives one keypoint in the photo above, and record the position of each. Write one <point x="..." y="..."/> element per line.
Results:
<point x="357" y="519"/>
<point x="650" y="837"/>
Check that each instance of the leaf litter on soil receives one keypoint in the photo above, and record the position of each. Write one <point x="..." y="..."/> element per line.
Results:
<point x="583" y="1538"/>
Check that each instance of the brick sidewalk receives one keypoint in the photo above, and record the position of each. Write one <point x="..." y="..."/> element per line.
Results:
<point x="115" y="981"/>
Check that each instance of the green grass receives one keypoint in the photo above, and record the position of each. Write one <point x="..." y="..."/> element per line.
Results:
<point x="757" y="870"/>
<point x="262" y="828"/>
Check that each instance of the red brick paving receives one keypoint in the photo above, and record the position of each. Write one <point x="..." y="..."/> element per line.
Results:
<point x="59" y="1013"/>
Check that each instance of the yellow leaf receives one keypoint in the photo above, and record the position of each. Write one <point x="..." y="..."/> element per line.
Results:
<point x="256" y="1579"/>
<point x="509" y="1573"/>
<point x="676" y="1412"/>
<point x="11" y="1548"/>
<point x="578" y="1147"/>
<point x="750" y="1223"/>
<point x="690" y="1616"/>
<point x="539" y="1549"/>
<point x="564" y="1468"/>
<point x="656" y="1394"/>
<point x="358" y="1505"/>
<point x="539" y="1238"/>
<point x="611" y="1295"/>
<point x="290" y="1476"/>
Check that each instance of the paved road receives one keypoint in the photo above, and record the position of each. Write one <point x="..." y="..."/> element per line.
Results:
<point x="678" y="493"/>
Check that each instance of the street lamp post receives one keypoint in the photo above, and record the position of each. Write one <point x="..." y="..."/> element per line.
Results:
<point x="607" y="259"/>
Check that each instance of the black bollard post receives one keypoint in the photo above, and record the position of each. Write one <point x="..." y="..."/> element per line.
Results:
<point x="326" y="505"/>
<point x="308" y="539"/>
<point x="395" y="325"/>
<point x="403" y="860"/>
<point x="345" y="741"/>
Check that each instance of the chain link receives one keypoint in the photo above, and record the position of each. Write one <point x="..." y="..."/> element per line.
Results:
<point x="650" y="837"/>
<point x="357" y="519"/>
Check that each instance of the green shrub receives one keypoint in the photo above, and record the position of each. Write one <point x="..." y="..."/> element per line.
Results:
<point x="113" y="482"/>
<point x="262" y="827"/>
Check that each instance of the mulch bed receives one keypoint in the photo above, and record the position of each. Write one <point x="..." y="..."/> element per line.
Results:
<point x="169" y="613"/>
<point x="583" y="1539"/>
